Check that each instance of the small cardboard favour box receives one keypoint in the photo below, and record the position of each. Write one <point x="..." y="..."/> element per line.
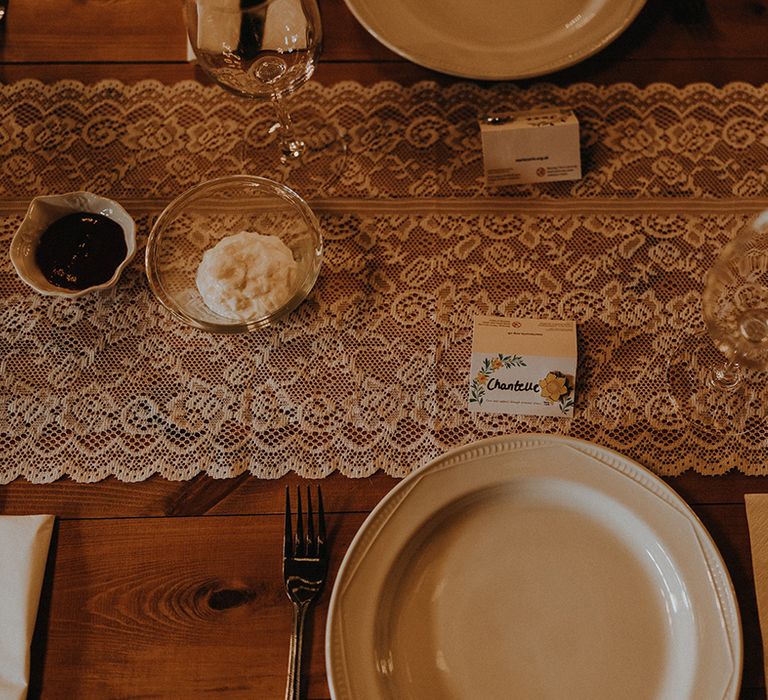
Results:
<point x="523" y="366"/>
<point x="536" y="146"/>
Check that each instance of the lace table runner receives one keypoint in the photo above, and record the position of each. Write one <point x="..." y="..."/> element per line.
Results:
<point x="153" y="141"/>
<point x="372" y="371"/>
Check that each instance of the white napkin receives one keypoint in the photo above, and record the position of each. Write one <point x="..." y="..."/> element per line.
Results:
<point x="757" y="518"/>
<point x="218" y="25"/>
<point x="24" y="542"/>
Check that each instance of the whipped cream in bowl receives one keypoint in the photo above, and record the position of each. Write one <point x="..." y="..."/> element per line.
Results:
<point x="246" y="275"/>
<point x="234" y="254"/>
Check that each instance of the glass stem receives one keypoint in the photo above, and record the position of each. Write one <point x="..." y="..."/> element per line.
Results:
<point x="726" y="376"/>
<point x="291" y="148"/>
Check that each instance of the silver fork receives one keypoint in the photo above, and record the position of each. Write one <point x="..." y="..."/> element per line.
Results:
<point x="305" y="565"/>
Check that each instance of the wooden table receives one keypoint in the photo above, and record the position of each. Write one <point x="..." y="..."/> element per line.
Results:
<point x="173" y="589"/>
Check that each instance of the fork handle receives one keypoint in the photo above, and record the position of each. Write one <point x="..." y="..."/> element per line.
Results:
<point x="293" y="687"/>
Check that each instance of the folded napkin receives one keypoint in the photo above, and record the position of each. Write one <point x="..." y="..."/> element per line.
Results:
<point x="757" y="518"/>
<point x="24" y="542"/>
<point x="219" y="27"/>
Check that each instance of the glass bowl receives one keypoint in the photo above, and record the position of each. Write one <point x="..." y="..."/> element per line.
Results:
<point x="201" y="217"/>
<point x="42" y="212"/>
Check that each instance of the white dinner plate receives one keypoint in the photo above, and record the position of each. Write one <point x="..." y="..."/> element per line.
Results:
<point x="533" y="566"/>
<point x="495" y="39"/>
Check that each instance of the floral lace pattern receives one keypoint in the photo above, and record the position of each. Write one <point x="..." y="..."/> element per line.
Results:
<point x="151" y="141"/>
<point x="371" y="372"/>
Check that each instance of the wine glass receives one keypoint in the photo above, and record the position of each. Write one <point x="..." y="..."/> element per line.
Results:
<point x="713" y="378"/>
<point x="267" y="49"/>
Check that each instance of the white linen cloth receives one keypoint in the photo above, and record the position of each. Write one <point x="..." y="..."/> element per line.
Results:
<point x="757" y="519"/>
<point x="24" y="542"/>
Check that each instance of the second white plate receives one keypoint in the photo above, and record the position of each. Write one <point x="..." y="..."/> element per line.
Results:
<point x="533" y="567"/>
<point x="493" y="40"/>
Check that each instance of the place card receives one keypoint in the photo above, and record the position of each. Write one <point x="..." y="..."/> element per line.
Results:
<point x="535" y="146"/>
<point x="523" y="366"/>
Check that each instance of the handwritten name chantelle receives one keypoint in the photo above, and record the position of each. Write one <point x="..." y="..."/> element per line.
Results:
<point x="494" y="383"/>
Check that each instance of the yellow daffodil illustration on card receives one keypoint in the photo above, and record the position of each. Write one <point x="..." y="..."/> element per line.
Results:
<point x="555" y="389"/>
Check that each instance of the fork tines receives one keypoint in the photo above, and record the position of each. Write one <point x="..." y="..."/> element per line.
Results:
<point x="299" y="545"/>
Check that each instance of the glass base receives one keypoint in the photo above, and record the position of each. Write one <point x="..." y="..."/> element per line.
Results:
<point x="312" y="175"/>
<point x="698" y="398"/>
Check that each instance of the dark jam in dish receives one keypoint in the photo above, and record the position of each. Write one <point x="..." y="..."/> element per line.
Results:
<point x="81" y="250"/>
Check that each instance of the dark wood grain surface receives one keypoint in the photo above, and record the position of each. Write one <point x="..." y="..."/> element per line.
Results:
<point x="172" y="589"/>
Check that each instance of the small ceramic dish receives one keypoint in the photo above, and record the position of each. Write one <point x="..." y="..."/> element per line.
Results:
<point x="42" y="212"/>
<point x="212" y="211"/>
